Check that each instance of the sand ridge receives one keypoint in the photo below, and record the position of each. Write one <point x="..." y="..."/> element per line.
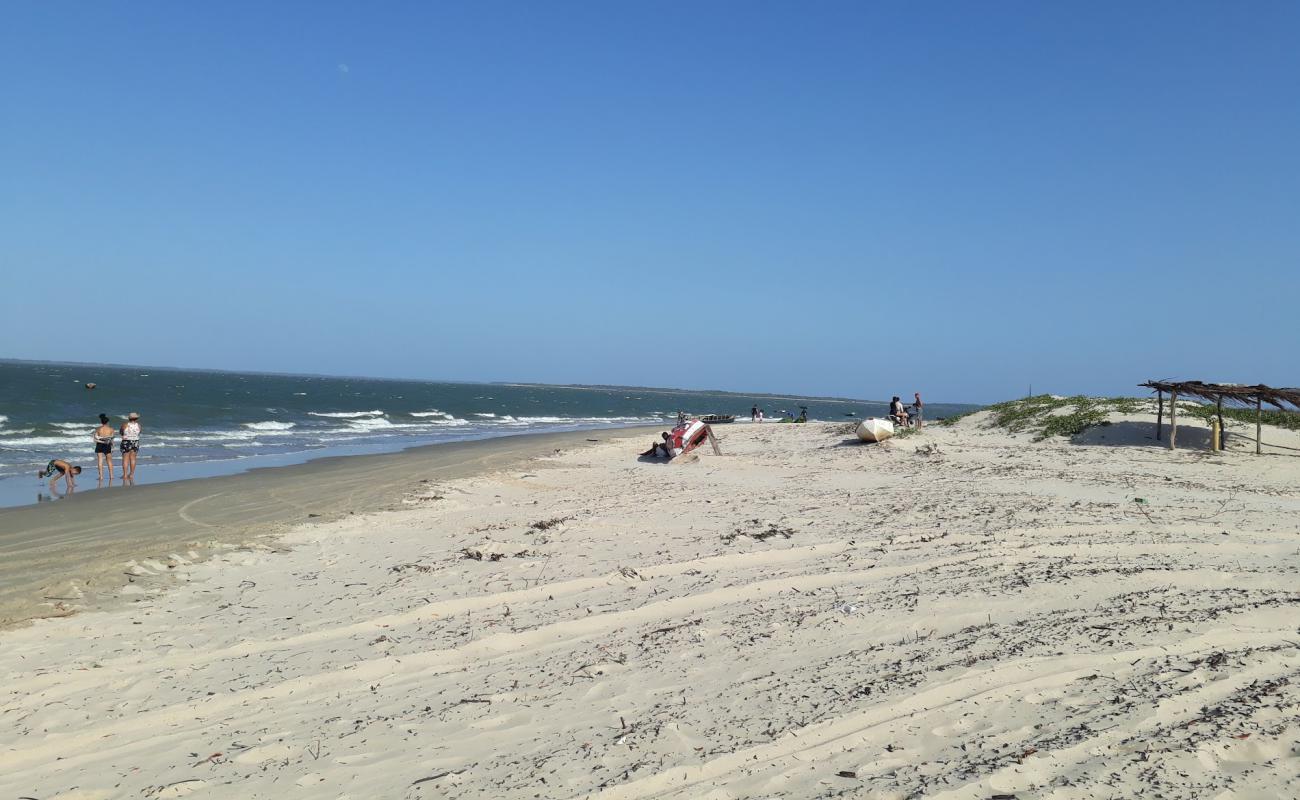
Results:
<point x="959" y="614"/>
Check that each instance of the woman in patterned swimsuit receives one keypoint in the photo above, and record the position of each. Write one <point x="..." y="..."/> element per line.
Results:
<point x="130" y="446"/>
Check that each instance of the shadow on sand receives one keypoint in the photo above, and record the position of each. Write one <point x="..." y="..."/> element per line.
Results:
<point x="1142" y="434"/>
<point x="855" y="442"/>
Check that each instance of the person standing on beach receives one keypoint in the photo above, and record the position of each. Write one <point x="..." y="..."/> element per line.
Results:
<point x="130" y="446"/>
<point x="760" y="415"/>
<point x="103" y="437"/>
<point x="753" y="414"/>
<point x="918" y="410"/>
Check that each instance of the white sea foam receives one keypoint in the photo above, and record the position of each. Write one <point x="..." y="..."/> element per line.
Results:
<point x="370" y="423"/>
<point x="346" y="414"/>
<point x="72" y="426"/>
<point x="39" y="441"/>
<point x="268" y="426"/>
<point x="3" y="419"/>
<point x="486" y="416"/>
<point x="434" y="413"/>
<point x="584" y="420"/>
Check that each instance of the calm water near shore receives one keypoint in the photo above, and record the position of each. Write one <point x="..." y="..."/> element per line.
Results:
<point x="200" y="423"/>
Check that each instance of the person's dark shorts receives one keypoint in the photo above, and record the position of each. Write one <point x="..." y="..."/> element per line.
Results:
<point x="129" y="446"/>
<point x="104" y="447"/>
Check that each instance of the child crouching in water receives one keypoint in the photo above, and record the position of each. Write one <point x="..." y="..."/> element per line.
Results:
<point x="60" y="469"/>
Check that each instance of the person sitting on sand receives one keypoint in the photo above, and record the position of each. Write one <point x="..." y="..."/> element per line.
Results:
<point x="897" y="414"/>
<point x="60" y="469"/>
<point x="662" y="449"/>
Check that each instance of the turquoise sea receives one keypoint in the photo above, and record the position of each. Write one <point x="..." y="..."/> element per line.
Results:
<point x="213" y="422"/>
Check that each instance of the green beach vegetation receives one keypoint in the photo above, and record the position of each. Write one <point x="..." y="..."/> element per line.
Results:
<point x="1205" y="412"/>
<point x="1046" y="415"/>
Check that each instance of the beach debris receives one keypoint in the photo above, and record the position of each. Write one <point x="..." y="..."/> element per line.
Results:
<point x="929" y="450"/>
<point x="760" y="531"/>
<point x="492" y="552"/>
<point x="846" y="773"/>
<point x="447" y="773"/>
<point x="215" y="758"/>
<point x="547" y="524"/>
<point x="847" y="608"/>
<point x="670" y="628"/>
<point x="405" y="567"/>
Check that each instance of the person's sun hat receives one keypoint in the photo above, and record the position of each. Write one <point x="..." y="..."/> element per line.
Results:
<point x="133" y="415"/>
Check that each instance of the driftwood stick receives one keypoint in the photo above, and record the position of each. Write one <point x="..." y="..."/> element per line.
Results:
<point x="670" y="628"/>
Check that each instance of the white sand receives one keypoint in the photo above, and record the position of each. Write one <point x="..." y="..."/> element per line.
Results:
<point x="957" y="614"/>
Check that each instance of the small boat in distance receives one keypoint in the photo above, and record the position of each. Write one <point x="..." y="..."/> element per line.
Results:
<point x="717" y="419"/>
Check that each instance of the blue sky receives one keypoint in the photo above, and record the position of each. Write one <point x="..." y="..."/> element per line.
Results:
<point x="859" y="199"/>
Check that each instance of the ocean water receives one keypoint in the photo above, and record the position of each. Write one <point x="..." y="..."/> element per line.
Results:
<point x="231" y="421"/>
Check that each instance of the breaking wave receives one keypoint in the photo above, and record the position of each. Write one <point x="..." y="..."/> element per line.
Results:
<point x="269" y="426"/>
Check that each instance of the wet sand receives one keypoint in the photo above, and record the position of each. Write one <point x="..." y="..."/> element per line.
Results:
<point x="70" y="554"/>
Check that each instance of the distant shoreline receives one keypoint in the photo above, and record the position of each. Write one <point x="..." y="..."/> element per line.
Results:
<point x="520" y="384"/>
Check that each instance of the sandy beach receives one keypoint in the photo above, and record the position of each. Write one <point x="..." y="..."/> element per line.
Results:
<point x="76" y="553"/>
<point x="962" y="613"/>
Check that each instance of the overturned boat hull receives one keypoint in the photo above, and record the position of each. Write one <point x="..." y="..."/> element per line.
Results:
<point x="875" y="430"/>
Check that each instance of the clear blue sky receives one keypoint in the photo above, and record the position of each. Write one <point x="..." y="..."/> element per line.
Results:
<point x="853" y="198"/>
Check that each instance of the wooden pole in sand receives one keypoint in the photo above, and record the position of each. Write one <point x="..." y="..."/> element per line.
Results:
<point x="1259" y="425"/>
<point x="1223" y="432"/>
<point x="1160" y="412"/>
<point x="1173" y="419"/>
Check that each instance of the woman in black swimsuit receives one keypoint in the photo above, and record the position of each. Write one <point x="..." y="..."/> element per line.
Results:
<point x="104" y="447"/>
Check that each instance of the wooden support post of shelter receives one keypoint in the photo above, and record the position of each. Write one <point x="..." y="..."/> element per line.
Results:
<point x="1160" y="412"/>
<point x="1173" y="419"/>
<point x="1223" y="432"/>
<point x="1259" y="425"/>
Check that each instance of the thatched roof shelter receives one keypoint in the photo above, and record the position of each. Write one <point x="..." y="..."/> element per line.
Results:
<point x="1256" y="395"/>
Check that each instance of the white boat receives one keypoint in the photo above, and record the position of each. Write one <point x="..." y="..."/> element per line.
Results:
<point x="875" y="430"/>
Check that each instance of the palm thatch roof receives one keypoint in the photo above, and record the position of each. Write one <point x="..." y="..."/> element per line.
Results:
<point x="1232" y="392"/>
